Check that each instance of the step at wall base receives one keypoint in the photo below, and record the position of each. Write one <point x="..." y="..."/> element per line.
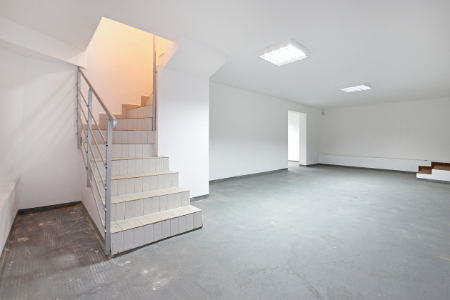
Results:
<point x="439" y="171"/>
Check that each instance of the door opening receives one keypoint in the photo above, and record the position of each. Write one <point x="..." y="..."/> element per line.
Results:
<point x="297" y="138"/>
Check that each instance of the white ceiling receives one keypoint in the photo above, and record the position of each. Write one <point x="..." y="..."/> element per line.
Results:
<point x="402" y="47"/>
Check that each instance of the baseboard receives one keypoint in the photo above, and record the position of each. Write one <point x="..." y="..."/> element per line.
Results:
<point x="200" y="198"/>
<point x="434" y="180"/>
<point x="388" y="164"/>
<point x="248" y="175"/>
<point x="27" y="211"/>
<point x="366" y="168"/>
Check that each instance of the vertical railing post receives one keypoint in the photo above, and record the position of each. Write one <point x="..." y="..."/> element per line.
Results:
<point x="108" y="188"/>
<point x="89" y="140"/>
<point x="78" y="124"/>
<point x="154" y="84"/>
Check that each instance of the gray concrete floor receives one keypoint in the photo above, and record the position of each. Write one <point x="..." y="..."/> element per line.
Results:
<point x="308" y="233"/>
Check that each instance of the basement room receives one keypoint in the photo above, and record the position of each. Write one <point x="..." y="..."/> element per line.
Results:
<point x="225" y="149"/>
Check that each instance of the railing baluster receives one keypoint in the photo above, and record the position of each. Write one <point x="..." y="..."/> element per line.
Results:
<point x="78" y="131"/>
<point x="154" y="84"/>
<point x="108" y="186"/>
<point x="89" y="137"/>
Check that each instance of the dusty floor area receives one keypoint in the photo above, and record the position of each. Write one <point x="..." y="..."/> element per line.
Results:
<point x="308" y="233"/>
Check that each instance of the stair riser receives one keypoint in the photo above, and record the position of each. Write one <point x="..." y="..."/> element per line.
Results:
<point x="127" y="150"/>
<point x="141" y="112"/>
<point x="134" y="166"/>
<point x="121" y="187"/>
<point x="140" y="207"/>
<point x="137" y="237"/>
<point x="131" y="124"/>
<point x="126" y="137"/>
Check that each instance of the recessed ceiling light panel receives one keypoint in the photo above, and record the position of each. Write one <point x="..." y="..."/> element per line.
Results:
<point x="283" y="53"/>
<point x="356" y="87"/>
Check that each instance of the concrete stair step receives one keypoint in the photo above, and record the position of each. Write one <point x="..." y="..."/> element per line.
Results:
<point x="127" y="124"/>
<point x="133" y="165"/>
<point x="140" y="112"/>
<point x="122" y="185"/>
<point x="442" y="167"/>
<point x="131" y="124"/>
<point x="136" y="232"/>
<point x="438" y="171"/>
<point x="126" y="150"/>
<point x="126" y="136"/>
<point x="139" y="204"/>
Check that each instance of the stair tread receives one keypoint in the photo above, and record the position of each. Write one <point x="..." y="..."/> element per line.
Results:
<point x="442" y="167"/>
<point x="144" y="220"/>
<point x="125" y="130"/>
<point x="128" y="158"/>
<point x="114" y="143"/>
<point x="127" y="118"/>
<point x="95" y="129"/>
<point x="150" y="194"/>
<point x="128" y="176"/>
<point x="140" y="106"/>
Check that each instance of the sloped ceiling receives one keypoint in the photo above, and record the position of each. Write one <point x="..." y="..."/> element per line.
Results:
<point x="402" y="47"/>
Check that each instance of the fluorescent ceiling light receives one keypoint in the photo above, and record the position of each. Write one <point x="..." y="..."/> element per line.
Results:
<point x="283" y="53"/>
<point x="356" y="87"/>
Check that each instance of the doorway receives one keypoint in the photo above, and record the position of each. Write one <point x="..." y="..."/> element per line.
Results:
<point x="297" y="138"/>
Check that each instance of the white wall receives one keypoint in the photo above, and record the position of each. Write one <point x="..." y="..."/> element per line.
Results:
<point x="51" y="161"/>
<point x="248" y="132"/>
<point x="32" y="43"/>
<point x="183" y="127"/>
<point x="293" y="136"/>
<point x="38" y="130"/>
<point x="303" y="140"/>
<point x="120" y="65"/>
<point x="12" y="78"/>
<point x="398" y="136"/>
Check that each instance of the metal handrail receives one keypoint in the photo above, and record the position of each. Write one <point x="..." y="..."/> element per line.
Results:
<point x="87" y="105"/>
<point x="108" y="113"/>
<point x="89" y="157"/>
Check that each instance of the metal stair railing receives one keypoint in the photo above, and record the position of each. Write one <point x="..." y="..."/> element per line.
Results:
<point x="93" y="156"/>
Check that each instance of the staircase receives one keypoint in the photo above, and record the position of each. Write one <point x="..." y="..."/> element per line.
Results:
<point x="438" y="171"/>
<point x="146" y="202"/>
